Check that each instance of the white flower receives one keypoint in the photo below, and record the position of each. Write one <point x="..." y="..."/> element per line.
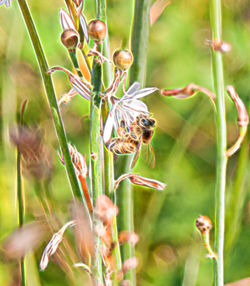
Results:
<point x="6" y="2"/>
<point x="126" y="108"/>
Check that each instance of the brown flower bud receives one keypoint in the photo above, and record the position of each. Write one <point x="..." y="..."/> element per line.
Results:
<point x="123" y="59"/>
<point x="97" y="30"/>
<point x="70" y="39"/>
<point x="204" y="224"/>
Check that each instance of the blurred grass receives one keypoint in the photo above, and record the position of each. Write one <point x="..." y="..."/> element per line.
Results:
<point x="184" y="140"/>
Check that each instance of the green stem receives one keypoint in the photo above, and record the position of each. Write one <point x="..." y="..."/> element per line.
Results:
<point x="218" y="79"/>
<point x="95" y="147"/>
<point x="237" y="199"/>
<point x="49" y="88"/>
<point x="140" y="31"/>
<point x="74" y="61"/>
<point x="20" y="194"/>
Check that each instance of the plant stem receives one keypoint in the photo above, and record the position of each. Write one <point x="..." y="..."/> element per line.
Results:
<point x="237" y="199"/>
<point x="218" y="80"/>
<point x="140" y="31"/>
<point x="95" y="146"/>
<point x="20" y="194"/>
<point x="49" y="88"/>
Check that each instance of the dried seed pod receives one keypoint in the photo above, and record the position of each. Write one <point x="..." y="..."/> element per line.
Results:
<point x="123" y="59"/>
<point x="204" y="224"/>
<point x="70" y="39"/>
<point x="97" y="30"/>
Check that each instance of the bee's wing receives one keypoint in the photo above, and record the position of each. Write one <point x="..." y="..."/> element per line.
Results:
<point x="151" y="155"/>
<point x="136" y="156"/>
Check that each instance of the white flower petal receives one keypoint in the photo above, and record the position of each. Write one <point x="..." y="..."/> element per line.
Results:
<point x="136" y="106"/>
<point x="84" y="27"/>
<point x="66" y="21"/>
<point x="133" y="88"/>
<point x="107" y="132"/>
<point x="144" y="92"/>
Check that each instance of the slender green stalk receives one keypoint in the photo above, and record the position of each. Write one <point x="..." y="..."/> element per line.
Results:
<point x="218" y="79"/>
<point x="237" y="199"/>
<point x="20" y="194"/>
<point x="140" y="31"/>
<point x="95" y="147"/>
<point x="49" y="88"/>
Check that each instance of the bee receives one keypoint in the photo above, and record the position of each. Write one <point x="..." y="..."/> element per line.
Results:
<point x="131" y="138"/>
<point x="124" y="145"/>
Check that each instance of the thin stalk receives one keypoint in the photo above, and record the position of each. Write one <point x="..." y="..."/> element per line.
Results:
<point x="20" y="194"/>
<point x="140" y="31"/>
<point x="218" y="80"/>
<point x="95" y="147"/>
<point x="49" y="88"/>
<point x="108" y="156"/>
<point x="237" y="199"/>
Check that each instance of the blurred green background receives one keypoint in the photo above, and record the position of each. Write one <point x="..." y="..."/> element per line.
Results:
<point x="170" y="250"/>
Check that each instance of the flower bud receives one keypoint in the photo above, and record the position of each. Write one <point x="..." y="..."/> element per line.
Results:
<point x="123" y="59"/>
<point x="97" y="30"/>
<point x="204" y="224"/>
<point x="70" y="39"/>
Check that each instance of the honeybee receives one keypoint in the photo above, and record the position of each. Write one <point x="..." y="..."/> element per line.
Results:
<point x="131" y="138"/>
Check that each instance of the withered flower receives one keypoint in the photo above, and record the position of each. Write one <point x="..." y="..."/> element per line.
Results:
<point x="123" y="59"/>
<point x="139" y="180"/>
<point x="219" y="46"/>
<point x="188" y="91"/>
<point x="70" y="39"/>
<point x="128" y="264"/>
<point x="204" y="225"/>
<point x="97" y="30"/>
<point x="33" y="153"/>
<point x="84" y="235"/>
<point x="81" y="170"/>
<point x="80" y="85"/>
<point x="105" y="209"/>
<point x="128" y="236"/>
<point x="53" y="244"/>
<point x="67" y="97"/>
<point x="24" y="239"/>
<point x="243" y="120"/>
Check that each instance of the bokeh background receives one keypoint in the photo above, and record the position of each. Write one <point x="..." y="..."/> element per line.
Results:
<point x="170" y="250"/>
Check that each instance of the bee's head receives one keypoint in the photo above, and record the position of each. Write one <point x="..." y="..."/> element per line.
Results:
<point x="147" y="122"/>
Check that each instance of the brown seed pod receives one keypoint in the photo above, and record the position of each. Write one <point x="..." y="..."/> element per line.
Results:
<point x="97" y="30"/>
<point x="123" y="59"/>
<point x="204" y="224"/>
<point x="70" y="39"/>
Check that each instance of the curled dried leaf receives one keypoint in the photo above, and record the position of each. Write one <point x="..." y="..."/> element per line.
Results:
<point x="53" y="244"/>
<point x="142" y="181"/>
<point x="243" y="120"/>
